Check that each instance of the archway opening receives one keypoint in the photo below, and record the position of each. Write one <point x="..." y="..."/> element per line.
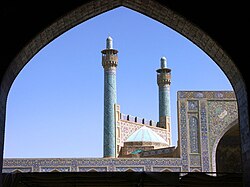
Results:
<point x="228" y="153"/>
<point x="68" y="65"/>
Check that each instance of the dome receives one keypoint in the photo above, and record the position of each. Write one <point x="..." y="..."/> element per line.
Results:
<point x="145" y="134"/>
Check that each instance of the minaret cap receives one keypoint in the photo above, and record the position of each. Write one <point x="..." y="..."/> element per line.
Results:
<point x="163" y="62"/>
<point x="109" y="43"/>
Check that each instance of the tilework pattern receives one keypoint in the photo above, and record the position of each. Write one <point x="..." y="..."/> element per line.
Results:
<point x="164" y="100"/>
<point x="127" y="128"/>
<point x="195" y="160"/>
<point x="109" y="116"/>
<point x="85" y="164"/>
<point x="183" y="134"/>
<point x="109" y="63"/>
<point x="216" y="112"/>
<point x="221" y="115"/>
<point x="204" y="138"/>
<point x="193" y="134"/>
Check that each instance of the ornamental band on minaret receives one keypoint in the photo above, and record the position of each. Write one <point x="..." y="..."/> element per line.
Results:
<point x="109" y="63"/>
<point x="163" y="81"/>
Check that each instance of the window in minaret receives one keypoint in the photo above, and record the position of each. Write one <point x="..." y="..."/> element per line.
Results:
<point x="194" y="134"/>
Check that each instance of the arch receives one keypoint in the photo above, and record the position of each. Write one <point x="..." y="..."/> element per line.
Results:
<point x="151" y="9"/>
<point x="129" y="170"/>
<point x="55" y="170"/>
<point x="228" y="152"/>
<point x="195" y="170"/>
<point x="167" y="170"/>
<point x="92" y="170"/>
<point x="231" y="125"/>
<point x="16" y="171"/>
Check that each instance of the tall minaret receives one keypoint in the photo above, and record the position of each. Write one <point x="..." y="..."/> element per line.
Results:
<point x="163" y="81"/>
<point x="109" y="63"/>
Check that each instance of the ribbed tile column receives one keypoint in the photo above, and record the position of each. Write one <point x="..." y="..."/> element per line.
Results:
<point x="163" y="81"/>
<point x="109" y="63"/>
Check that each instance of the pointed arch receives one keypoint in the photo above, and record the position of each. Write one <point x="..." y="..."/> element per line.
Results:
<point x="195" y="170"/>
<point x="55" y="170"/>
<point x="228" y="152"/>
<point x="167" y="170"/>
<point x="149" y="8"/>
<point x="234" y="123"/>
<point x="16" y="171"/>
<point x="129" y="170"/>
<point x="92" y="170"/>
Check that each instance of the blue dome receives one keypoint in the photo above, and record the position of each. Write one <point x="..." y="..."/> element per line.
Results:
<point x="145" y="134"/>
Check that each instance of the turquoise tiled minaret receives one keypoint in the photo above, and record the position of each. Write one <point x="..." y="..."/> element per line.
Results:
<point x="163" y="81"/>
<point x="109" y="63"/>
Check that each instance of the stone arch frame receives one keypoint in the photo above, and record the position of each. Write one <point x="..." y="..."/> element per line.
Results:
<point x="155" y="11"/>
<point x="216" y="143"/>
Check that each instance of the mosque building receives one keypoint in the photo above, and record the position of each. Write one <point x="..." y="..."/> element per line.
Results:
<point x="125" y="135"/>
<point x="208" y="130"/>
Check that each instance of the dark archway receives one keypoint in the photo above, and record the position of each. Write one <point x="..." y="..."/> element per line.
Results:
<point x="157" y="11"/>
<point x="228" y="153"/>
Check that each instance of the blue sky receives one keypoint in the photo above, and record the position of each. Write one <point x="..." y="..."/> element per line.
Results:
<point x="55" y="105"/>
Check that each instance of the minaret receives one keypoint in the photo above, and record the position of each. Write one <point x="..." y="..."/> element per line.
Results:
<point x="163" y="81"/>
<point x="109" y="63"/>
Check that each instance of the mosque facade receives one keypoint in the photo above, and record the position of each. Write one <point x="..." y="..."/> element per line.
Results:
<point x="136" y="144"/>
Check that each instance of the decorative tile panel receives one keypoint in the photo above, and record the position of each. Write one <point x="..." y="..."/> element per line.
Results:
<point x="137" y="169"/>
<point x="14" y="169"/>
<point x="166" y="169"/>
<point x="204" y="138"/>
<point x="195" y="160"/>
<point x="183" y="135"/>
<point x="128" y="128"/>
<point x="193" y="134"/>
<point x="193" y="105"/>
<point x="51" y="169"/>
<point x="87" y="169"/>
<point x="221" y="115"/>
<point x="109" y="115"/>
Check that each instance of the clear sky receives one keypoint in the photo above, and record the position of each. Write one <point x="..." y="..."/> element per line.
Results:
<point x="55" y="105"/>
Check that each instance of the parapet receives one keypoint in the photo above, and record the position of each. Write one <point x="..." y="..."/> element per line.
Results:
<point x="135" y="119"/>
